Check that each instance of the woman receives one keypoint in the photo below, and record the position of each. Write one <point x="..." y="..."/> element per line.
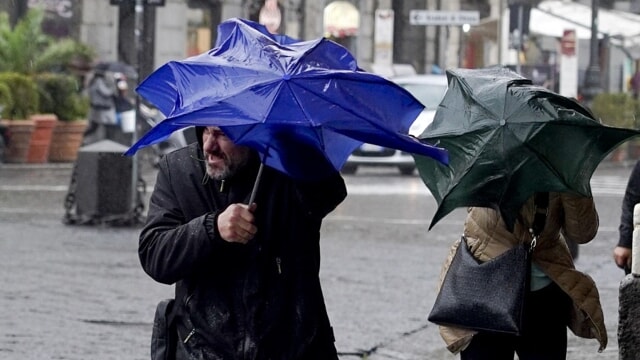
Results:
<point x="102" y="111"/>
<point x="559" y="296"/>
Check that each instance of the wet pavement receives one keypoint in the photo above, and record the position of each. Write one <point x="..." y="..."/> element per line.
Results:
<point x="78" y="292"/>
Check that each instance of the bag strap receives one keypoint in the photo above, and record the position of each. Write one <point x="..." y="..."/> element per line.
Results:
<point x="541" y="202"/>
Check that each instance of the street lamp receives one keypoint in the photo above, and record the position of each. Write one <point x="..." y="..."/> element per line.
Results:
<point x="592" y="86"/>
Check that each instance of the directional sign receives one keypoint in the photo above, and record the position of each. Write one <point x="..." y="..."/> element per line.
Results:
<point x="435" y="17"/>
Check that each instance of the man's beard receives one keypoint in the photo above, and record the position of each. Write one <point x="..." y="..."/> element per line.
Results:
<point x="230" y="168"/>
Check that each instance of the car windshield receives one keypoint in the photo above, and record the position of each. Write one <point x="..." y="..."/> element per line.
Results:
<point x="429" y="95"/>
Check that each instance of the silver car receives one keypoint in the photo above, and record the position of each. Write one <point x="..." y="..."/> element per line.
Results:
<point x="428" y="89"/>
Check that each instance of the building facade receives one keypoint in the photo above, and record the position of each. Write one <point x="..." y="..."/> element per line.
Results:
<point x="381" y="33"/>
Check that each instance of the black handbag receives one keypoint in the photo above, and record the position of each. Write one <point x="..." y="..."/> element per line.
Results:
<point x="164" y="336"/>
<point x="488" y="296"/>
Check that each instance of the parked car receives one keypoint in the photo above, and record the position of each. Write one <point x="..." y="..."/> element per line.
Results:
<point x="429" y="89"/>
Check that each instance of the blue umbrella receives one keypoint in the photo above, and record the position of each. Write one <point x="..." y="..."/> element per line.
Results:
<point x="278" y="96"/>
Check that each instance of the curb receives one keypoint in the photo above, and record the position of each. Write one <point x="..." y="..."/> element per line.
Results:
<point x="43" y="166"/>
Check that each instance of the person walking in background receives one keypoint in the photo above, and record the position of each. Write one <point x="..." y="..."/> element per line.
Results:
<point x="102" y="110"/>
<point x="246" y="275"/>
<point x="559" y="295"/>
<point x="622" y="251"/>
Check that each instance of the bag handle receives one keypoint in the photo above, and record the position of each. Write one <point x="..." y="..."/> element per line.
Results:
<point x="541" y="202"/>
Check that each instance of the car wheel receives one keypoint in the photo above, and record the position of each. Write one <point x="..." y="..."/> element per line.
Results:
<point x="407" y="170"/>
<point x="348" y="169"/>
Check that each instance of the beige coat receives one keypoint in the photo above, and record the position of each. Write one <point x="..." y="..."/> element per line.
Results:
<point x="574" y="218"/>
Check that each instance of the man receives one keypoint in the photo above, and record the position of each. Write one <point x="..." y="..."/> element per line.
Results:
<point x="246" y="275"/>
<point x="622" y="252"/>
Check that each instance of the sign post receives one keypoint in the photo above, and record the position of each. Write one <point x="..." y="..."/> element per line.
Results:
<point x="383" y="37"/>
<point x="139" y="6"/>
<point x="568" y="84"/>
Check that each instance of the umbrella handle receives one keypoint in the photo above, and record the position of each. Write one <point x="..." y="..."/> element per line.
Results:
<point x="256" y="183"/>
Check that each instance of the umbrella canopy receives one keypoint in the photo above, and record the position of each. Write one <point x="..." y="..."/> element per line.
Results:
<point x="116" y="67"/>
<point x="508" y="139"/>
<point x="275" y="94"/>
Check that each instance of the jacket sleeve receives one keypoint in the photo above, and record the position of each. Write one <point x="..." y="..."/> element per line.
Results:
<point x="170" y="247"/>
<point x="580" y="218"/>
<point x="631" y="198"/>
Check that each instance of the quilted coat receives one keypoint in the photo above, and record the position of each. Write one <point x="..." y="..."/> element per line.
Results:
<point x="569" y="217"/>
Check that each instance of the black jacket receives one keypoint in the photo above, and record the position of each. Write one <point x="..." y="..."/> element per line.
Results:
<point x="262" y="300"/>
<point x="631" y="198"/>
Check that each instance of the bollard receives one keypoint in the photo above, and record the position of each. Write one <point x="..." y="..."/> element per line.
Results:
<point x="103" y="182"/>
<point x="629" y="300"/>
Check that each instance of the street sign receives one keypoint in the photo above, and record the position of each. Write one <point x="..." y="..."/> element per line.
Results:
<point x="436" y="17"/>
<point x="144" y="2"/>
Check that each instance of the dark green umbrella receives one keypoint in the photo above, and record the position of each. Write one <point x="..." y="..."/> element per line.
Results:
<point x="508" y="139"/>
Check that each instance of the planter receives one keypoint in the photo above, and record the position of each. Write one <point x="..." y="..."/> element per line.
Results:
<point x="66" y="141"/>
<point x="21" y="131"/>
<point x="41" y="138"/>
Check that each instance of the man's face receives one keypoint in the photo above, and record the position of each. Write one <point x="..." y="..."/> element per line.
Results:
<point x="222" y="157"/>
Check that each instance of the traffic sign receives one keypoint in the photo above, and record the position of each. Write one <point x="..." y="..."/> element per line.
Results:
<point x="437" y="17"/>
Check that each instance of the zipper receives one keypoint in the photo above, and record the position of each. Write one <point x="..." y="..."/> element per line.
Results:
<point x="193" y="331"/>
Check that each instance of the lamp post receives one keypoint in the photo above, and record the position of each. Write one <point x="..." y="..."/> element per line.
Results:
<point x="592" y="85"/>
<point x="138" y="30"/>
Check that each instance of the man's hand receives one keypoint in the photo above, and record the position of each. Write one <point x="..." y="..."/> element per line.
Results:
<point x="622" y="257"/>
<point x="235" y="223"/>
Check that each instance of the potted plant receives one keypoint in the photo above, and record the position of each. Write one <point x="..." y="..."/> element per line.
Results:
<point x="26" y="50"/>
<point x="60" y="95"/>
<point x="17" y="113"/>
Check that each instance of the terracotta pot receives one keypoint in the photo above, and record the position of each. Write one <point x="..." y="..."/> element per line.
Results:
<point x="66" y="140"/>
<point x="41" y="138"/>
<point x="21" y="131"/>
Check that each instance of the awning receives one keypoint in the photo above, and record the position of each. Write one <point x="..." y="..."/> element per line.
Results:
<point x="551" y="18"/>
<point x="341" y="19"/>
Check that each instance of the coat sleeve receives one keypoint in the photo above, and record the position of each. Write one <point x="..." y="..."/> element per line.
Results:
<point x="631" y="198"/>
<point x="580" y="218"/>
<point x="170" y="247"/>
